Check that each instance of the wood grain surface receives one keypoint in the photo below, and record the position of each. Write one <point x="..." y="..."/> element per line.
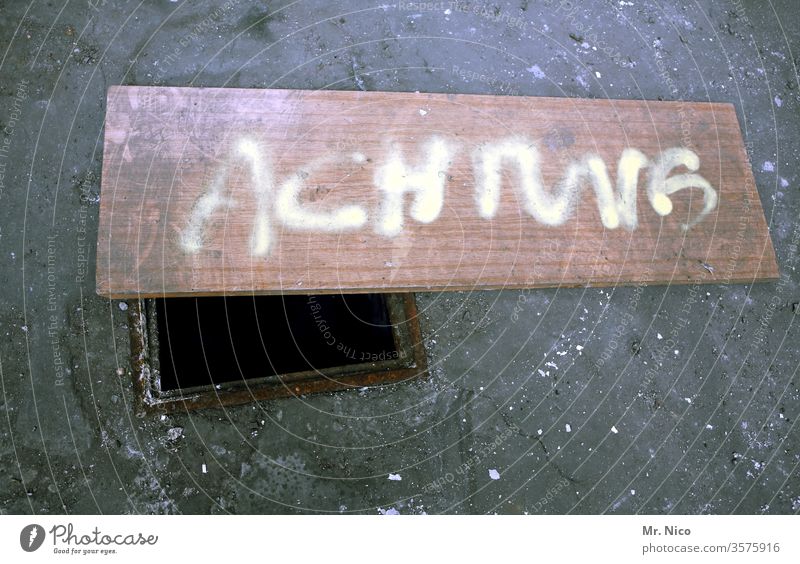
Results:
<point x="237" y="191"/>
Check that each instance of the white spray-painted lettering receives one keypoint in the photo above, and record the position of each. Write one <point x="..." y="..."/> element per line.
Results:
<point x="287" y="205"/>
<point x="660" y="187"/>
<point x="193" y="237"/>
<point x="262" y="185"/>
<point x="427" y="181"/>
<point x="295" y="216"/>
<point x="555" y="209"/>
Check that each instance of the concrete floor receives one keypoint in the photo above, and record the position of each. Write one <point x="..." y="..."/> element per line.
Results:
<point x="713" y="429"/>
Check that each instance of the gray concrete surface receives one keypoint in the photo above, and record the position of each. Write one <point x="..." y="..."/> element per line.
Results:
<point x="712" y="428"/>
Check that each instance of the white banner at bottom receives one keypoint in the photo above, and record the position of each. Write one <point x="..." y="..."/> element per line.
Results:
<point x="387" y="538"/>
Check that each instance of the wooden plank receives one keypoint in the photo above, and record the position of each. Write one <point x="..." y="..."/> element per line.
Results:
<point x="234" y="191"/>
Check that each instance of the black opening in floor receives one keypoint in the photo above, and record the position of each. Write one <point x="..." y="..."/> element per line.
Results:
<point x="214" y="340"/>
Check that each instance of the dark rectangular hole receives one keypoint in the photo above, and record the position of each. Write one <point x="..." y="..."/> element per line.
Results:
<point x="215" y="340"/>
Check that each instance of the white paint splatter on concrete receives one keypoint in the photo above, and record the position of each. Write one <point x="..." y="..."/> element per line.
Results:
<point x="536" y="71"/>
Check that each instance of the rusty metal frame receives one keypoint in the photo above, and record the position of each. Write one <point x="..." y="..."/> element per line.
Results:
<point x="411" y="363"/>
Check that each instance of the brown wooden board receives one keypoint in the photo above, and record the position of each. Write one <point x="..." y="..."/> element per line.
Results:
<point x="234" y="191"/>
